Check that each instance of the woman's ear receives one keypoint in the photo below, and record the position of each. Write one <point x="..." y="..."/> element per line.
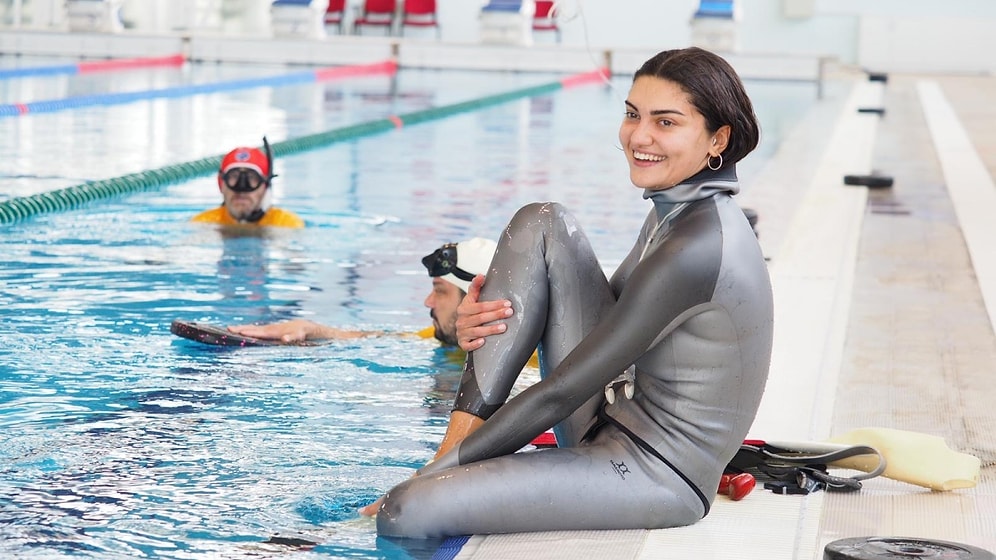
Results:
<point x="719" y="140"/>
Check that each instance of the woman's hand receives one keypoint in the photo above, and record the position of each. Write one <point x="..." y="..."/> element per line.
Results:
<point x="371" y="509"/>
<point x="473" y="317"/>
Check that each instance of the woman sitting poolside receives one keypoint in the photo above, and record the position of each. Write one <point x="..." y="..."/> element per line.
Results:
<point x="688" y="314"/>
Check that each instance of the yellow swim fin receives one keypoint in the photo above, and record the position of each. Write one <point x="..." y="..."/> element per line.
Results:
<point x="920" y="459"/>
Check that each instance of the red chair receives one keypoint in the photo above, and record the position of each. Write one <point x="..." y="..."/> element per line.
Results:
<point x="546" y="17"/>
<point x="378" y="13"/>
<point x="419" y="13"/>
<point x="335" y="14"/>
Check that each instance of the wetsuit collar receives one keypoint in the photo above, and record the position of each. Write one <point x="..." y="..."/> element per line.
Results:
<point x="702" y="185"/>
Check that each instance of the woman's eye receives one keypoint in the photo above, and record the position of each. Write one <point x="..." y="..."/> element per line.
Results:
<point x="630" y="115"/>
<point x="665" y="122"/>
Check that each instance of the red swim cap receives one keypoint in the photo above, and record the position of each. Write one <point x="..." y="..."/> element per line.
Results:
<point x="250" y="158"/>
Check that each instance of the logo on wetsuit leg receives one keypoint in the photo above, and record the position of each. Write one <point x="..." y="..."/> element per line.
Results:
<point x="621" y="469"/>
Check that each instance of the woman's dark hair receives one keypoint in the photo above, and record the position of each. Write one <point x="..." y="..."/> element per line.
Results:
<point x="714" y="90"/>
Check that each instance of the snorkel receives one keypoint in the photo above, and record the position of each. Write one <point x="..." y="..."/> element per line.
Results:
<point x="269" y="162"/>
<point x="264" y="204"/>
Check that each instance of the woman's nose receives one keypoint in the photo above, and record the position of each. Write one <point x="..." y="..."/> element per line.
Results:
<point x="641" y="134"/>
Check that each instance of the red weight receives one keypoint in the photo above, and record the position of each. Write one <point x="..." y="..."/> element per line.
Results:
<point x="740" y="485"/>
<point x="724" y="484"/>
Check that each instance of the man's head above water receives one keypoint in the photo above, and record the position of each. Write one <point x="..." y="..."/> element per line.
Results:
<point x="243" y="179"/>
<point x="452" y="267"/>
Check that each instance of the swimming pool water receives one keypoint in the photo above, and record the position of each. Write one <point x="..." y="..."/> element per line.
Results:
<point x="118" y="440"/>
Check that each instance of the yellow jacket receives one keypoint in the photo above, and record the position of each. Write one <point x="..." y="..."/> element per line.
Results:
<point x="276" y="217"/>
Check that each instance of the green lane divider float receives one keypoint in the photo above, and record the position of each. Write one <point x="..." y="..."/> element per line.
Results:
<point x="22" y="208"/>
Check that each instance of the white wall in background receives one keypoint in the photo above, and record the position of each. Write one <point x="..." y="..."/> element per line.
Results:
<point x="883" y="35"/>
<point x="956" y="36"/>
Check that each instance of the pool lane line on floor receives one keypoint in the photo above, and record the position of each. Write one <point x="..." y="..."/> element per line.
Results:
<point x="969" y="184"/>
<point x="21" y="208"/>
<point x="389" y="67"/>
<point x="93" y="67"/>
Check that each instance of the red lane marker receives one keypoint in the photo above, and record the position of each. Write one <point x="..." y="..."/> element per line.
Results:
<point x="398" y="123"/>
<point x="586" y="78"/>
<point x="126" y="63"/>
<point x="21" y="108"/>
<point x="386" y="67"/>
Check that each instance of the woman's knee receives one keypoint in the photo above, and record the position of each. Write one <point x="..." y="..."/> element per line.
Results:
<point x="391" y="521"/>
<point x="545" y="216"/>
<point x="676" y="509"/>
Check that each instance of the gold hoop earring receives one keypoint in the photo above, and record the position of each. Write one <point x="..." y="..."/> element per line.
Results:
<point x="718" y="167"/>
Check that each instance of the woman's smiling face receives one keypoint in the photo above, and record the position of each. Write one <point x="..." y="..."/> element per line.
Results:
<point x="664" y="135"/>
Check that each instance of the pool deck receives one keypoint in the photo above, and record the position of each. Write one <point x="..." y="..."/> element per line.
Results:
<point x="885" y="313"/>
<point x="885" y="304"/>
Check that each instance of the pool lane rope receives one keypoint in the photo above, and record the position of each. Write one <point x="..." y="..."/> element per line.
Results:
<point x="293" y="78"/>
<point x="92" y="67"/>
<point x="21" y="208"/>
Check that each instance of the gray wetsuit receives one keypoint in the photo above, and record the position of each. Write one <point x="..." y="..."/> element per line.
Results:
<point x="688" y="314"/>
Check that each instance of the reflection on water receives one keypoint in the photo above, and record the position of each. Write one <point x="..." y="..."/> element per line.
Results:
<point x="118" y="440"/>
<point x="253" y="260"/>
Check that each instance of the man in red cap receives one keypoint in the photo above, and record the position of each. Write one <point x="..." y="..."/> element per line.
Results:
<point x="244" y="180"/>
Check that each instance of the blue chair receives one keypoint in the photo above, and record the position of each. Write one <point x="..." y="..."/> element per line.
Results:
<point x="94" y="15"/>
<point x="503" y="6"/>
<point x="505" y="22"/>
<point x="298" y="18"/>
<point x="715" y="9"/>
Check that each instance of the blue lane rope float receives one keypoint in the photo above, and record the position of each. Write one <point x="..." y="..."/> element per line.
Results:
<point x="91" y="67"/>
<point x="12" y="73"/>
<point x="20" y="208"/>
<point x="305" y="76"/>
